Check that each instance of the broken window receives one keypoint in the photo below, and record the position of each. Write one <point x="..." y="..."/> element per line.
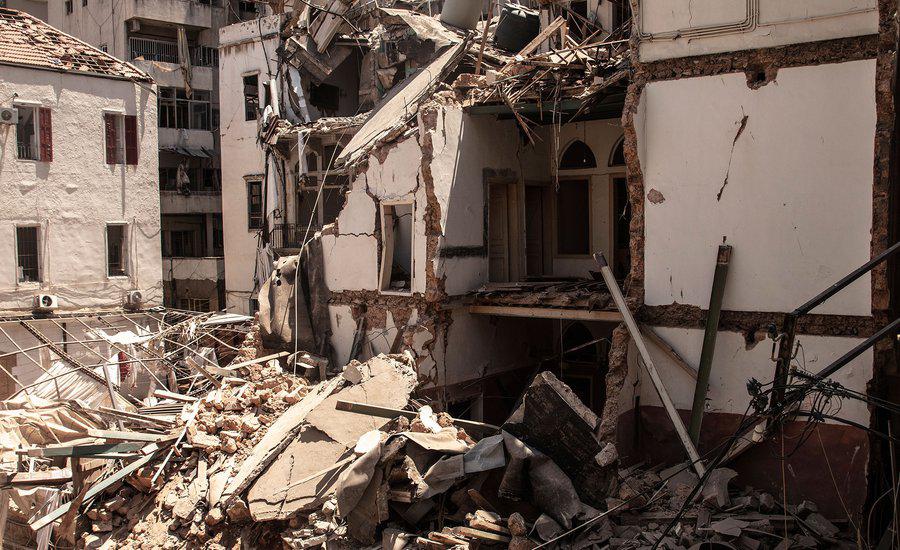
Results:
<point x="181" y="244"/>
<point x="28" y="254"/>
<point x="177" y="111"/>
<point x="251" y="96"/>
<point x="617" y="158"/>
<point x="254" y="204"/>
<point x="621" y="227"/>
<point x="115" y="250"/>
<point x="69" y="7"/>
<point x="121" y="138"/>
<point x="573" y="218"/>
<point x="326" y="209"/>
<point x="396" y="247"/>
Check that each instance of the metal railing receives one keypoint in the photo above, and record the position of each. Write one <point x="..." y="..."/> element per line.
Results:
<point x="286" y="235"/>
<point x="166" y="51"/>
<point x="27" y="151"/>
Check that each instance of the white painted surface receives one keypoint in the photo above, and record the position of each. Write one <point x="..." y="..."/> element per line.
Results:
<point x="669" y="27"/>
<point x="75" y="195"/>
<point x="241" y="53"/>
<point x="734" y="365"/>
<point x="798" y="204"/>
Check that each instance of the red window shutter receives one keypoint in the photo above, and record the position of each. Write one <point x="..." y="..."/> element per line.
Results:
<point x="109" y="122"/>
<point x="131" y="145"/>
<point x="46" y="134"/>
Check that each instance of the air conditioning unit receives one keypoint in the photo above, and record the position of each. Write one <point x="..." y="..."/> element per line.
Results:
<point x="44" y="303"/>
<point x="9" y="115"/>
<point x="134" y="299"/>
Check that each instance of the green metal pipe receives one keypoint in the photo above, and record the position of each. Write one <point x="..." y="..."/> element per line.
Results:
<point x="709" y="341"/>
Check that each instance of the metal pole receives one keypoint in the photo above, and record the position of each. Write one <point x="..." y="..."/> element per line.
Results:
<point x="709" y="341"/>
<point x="635" y="332"/>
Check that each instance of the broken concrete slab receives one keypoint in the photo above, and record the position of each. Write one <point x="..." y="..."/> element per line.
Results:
<point x="553" y="420"/>
<point x="278" y="437"/>
<point x="274" y="495"/>
<point x="389" y="386"/>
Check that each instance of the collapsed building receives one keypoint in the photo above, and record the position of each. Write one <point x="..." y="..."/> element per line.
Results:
<point x="460" y="215"/>
<point x="578" y="274"/>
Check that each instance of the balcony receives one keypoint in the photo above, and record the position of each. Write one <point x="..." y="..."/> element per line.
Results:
<point x="286" y="238"/>
<point x="166" y="51"/>
<point x="190" y="13"/>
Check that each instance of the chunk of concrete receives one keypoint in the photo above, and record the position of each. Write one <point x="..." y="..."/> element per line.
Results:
<point x="554" y="421"/>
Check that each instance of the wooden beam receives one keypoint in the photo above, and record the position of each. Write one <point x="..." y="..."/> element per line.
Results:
<point x="638" y="339"/>
<point x="385" y="412"/>
<point x="81" y="450"/>
<point x="196" y="366"/>
<point x="547" y="313"/>
<point x="163" y="394"/>
<point x="27" y="479"/>
<point x="667" y="348"/>
<point x="258" y="360"/>
<point x="95" y="490"/>
<point x="127" y="436"/>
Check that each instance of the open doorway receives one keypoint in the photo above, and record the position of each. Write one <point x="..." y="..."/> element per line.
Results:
<point x="584" y="362"/>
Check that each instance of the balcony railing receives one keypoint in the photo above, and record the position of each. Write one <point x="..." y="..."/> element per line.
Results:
<point x="286" y="235"/>
<point x="167" y="52"/>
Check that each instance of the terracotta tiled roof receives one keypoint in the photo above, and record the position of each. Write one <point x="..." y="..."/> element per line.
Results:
<point x="28" y="41"/>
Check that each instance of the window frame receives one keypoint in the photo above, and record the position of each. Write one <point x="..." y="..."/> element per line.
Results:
<point x="247" y="106"/>
<point x="39" y="256"/>
<point x="589" y="181"/>
<point x="124" y="250"/>
<point x="257" y="180"/>
<point x="35" y="145"/>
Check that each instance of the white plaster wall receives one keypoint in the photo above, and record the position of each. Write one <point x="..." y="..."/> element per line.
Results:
<point x="734" y="364"/>
<point x="798" y="203"/>
<point x="241" y="52"/>
<point x="666" y="26"/>
<point x="75" y="195"/>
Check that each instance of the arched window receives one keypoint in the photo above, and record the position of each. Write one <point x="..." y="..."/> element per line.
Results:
<point x="577" y="156"/>
<point x="617" y="157"/>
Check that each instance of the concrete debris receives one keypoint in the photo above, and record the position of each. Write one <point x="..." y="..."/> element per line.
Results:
<point x="309" y="474"/>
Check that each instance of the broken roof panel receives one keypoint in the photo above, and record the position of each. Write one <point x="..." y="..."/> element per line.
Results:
<point x="398" y="107"/>
<point x="27" y="41"/>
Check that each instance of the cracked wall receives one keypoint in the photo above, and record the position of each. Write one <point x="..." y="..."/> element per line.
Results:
<point x="782" y="151"/>
<point x="438" y="165"/>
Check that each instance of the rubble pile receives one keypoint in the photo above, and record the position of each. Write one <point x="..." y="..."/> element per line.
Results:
<point x="267" y="458"/>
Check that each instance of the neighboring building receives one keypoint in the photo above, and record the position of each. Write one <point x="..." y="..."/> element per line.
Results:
<point x="246" y="53"/>
<point x="175" y="42"/>
<point x="77" y="171"/>
<point x="80" y="218"/>
<point x="37" y="8"/>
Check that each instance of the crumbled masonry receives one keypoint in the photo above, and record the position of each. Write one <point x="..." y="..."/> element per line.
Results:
<point x="421" y="479"/>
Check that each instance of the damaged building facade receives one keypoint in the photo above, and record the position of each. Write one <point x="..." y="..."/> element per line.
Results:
<point x="460" y="217"/>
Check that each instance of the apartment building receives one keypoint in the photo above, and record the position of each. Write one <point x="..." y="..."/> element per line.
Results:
<point x="79" y="225"/>
<point x="175" y="42"/>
